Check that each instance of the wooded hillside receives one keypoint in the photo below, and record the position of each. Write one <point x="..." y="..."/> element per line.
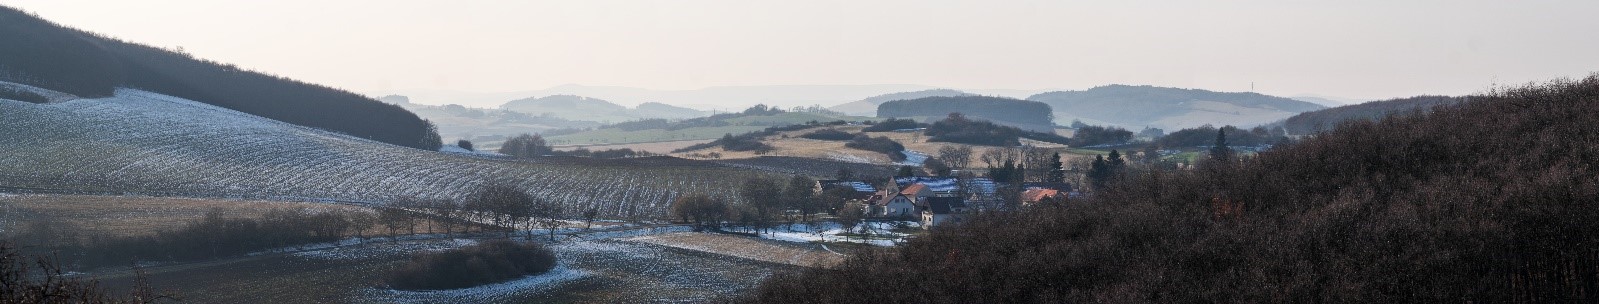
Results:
<point x="1488" y="201"/>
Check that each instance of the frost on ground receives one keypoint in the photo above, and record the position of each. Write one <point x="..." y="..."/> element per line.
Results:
<point x="745" y="247"/>
<point x="492" y="293"/>
<point x="913" y="158"/>
<point x="372" y="250"/>
<point x="874" y="233"/>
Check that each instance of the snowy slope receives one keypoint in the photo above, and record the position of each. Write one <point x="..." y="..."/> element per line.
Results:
<point x="142" y="142"/>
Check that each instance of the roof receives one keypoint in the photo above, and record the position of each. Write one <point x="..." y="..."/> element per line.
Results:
<point x="1039" y="194"/>
<point x="944" y="205"/>
<point x="912" y="189"/>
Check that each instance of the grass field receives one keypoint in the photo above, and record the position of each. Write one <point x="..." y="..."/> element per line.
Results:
<point x="124" y="216"/>
<point x="746" y="247"/>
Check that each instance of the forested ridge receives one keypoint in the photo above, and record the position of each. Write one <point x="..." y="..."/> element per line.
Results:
<point x="1322" y="120"/>
<point x="40" y="53"/>
<point x="1029" y="115"/>
<point x="1487" y="201"/>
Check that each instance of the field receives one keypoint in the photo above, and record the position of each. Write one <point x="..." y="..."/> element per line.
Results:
<point x="600" y="270"/>
<point x="795" y="146"/>
<point x="745" y="247"/>
<point x="655" y="147"/>
<point x="124" y="216"/>
<point x="141" y="143"/>
<point x="618" y="136"/>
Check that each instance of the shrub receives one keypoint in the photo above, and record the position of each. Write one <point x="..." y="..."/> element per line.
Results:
<point x="892" y="124"/>
<point x="829" y="134"/>
<point x="879" y="144"/>
<point x="490" y="262"/>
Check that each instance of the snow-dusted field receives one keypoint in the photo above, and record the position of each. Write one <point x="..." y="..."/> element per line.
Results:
<point x="594" y="267"/>
<point x="875" y="233"/>
<point x="141" y="142"/>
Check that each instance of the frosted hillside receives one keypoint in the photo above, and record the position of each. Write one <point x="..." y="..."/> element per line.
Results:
<point x="142" y="142"/>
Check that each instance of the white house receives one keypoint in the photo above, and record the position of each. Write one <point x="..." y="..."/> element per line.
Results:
<point x="943" y="211"/>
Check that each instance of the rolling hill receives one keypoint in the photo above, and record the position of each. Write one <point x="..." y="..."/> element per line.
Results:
<point x="1169" y="108"/>
<point x="1322" y="120"/>
<point x="140" y="142"/>
<point x="40" y="53"/>
<point x="868" y="106"/>
<point x="579" y="108"/>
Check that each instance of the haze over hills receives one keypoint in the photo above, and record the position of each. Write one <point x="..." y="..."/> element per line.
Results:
<point x="1168" y="108"/>
<point x="721" y="98"/>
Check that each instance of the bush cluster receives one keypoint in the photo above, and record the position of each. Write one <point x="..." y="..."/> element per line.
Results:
<point x="892" y="124"/>
<point x="880" y="144"/>
<point x="829" y="134"/>
<point x="490" y="262"/>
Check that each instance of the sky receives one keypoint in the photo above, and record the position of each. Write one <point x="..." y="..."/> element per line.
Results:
<point x="1347" y="49"/>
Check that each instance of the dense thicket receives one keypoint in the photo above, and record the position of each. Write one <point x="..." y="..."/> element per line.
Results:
<point x="828" y="134"/>
<point x="892" y="124"/>
<point x="1205" y="136"/>
<point x="490" y="262"/>
<point x="40" y="279"/>
<point x="213" y="236"/>
<point x="50" y="56"/>
<point x="1097" y="135"/>
<point x="879" y="144"/>
<point x="1029" y="115"/>
<point x="957" y="128"/>
<point x="1488" y="201"/>
<point x="1317" y="121"/>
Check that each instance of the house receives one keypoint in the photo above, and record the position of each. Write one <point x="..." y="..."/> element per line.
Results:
<point x="897" y="205"/>
<point x="1042" y="196"/>
<point x="943" y="211"/>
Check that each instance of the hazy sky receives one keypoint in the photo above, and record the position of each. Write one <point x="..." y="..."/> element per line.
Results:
<point x="1359" y="49"/>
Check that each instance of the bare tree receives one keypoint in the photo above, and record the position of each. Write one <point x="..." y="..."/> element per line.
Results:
<point x="546" y="214"/>
<point x="955" y="156"/>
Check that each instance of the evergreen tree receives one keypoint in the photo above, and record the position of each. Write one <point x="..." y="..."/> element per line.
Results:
<point x="1220" y="152"/>
<point x="1098" y="172"/>
<point x="1057" y="170"/>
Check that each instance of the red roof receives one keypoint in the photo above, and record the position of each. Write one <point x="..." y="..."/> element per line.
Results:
<point x="1038" y="194"/>
<point x="913" y="189"/>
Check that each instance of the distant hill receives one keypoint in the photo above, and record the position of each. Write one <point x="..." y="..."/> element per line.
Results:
<point x="1325" y="101"/>
<point x="868" y="106"/>
<point x="661" y="110"/>
<point x="459" y="122"/>
<point x="1326" y="119"/>
<point x="581" y="108"/>
<point x="1027" y="115"/>
<point x="40" y="53"/>
<point x="1169" y="108"/>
